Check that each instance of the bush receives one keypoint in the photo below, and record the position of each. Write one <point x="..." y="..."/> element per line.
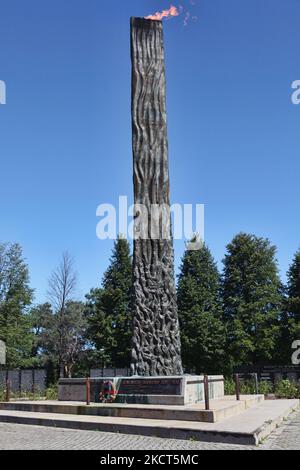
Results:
<point x="287" y="389"/>
<point x="265" y="388"/>
<point x="2" y="394"/>
<point x="247" y="387"/>
<point x="229" y="387"/>
<point x="52" y="393"/>
<point x="26" y="395"/>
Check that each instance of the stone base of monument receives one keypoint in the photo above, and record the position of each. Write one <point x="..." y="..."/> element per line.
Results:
<point x="247" y="421"/>
<point x="182" y="390"/>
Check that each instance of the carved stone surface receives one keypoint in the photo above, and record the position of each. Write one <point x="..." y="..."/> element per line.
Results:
<point x="2" y="353"/>
<point x="156" y="340"/>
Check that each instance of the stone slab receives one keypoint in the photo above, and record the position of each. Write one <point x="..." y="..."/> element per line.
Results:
<point x="220" y="409"/>
<point x="250" y="427"/>
<point x="180" y="390"/>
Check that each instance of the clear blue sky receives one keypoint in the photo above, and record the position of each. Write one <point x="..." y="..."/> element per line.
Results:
<point x="66" y="132"/>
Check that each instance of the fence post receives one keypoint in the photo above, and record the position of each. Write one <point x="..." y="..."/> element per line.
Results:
<point x="206" y="393"/>
<point x="256" y="383"/>
<point x="237" y="387"/>
<point x="88" y="391"/>
<point x="33" y="381"/>
<point x="20" y="382"/>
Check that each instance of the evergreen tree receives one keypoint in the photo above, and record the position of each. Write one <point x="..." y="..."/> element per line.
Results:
<point x="15" y="297"/>
<point x="294" y="293"/>
<point x="109" y="309"/>
<point x="291" y="316"/>
<point x="252" y="296"/>
<point x="200" y="314"/>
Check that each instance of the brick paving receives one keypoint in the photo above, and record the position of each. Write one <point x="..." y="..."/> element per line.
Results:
<point x="18" y="437"/>
<point x="287" y="436"/>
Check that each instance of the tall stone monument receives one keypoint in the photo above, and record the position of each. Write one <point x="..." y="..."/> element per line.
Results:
<point x="157" y="375"/>
<point x="156" y="339"/>
<point x="2" y="353"/>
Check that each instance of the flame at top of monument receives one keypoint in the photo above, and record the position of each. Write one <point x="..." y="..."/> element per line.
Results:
<point x="158" y="16"/>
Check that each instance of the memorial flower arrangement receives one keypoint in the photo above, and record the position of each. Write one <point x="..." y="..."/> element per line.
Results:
<point x="109" y="393"/>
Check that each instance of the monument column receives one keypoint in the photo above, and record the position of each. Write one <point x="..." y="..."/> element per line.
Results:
<point x="156" y="347"/>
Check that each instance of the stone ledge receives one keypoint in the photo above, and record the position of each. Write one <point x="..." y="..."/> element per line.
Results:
<point x="250" y="427"/>
<point x="220" y="409"/>
<point x="177" y="390"/>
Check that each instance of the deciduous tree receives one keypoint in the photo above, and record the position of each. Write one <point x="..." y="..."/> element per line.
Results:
<point x="63" y="332"/>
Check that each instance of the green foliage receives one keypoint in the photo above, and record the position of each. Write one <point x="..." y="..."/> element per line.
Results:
<point x="294" y="281"/>
<point x="60" y="335"/>
<point x="15" y="297"/>
<point x="52" y="393"/>
<point x="200" y="314"/>
<point x="290" y="322"/>
<point x="247" y="387"/>
<point x="266" y="388"/>
<point x="2" y="393"/>
<point x="252" y="298"/>
<point x="246" y="318"/>
<point x="287" y="389"/>
<point x="40" y="319"/>
<point x="229" y="387"/>
<point x="27" y="395"/>
<point x="109" y="311"/>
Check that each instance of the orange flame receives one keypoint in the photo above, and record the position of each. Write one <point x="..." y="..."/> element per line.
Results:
<point x="158" y="16"/>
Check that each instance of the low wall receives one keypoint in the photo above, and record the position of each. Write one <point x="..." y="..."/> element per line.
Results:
<point x="272" y="374"/>
<point x="181" y="390"/>
<point x="24" y="380"/>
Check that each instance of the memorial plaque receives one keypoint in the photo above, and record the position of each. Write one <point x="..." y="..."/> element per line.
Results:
<point x="272" y="374"/>
<point x="150" y="387"/>
<point x="2" y="353"/>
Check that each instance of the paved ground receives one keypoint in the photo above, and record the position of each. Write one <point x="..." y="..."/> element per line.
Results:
<point x="16" y="437"/>
<point x="286" y="437"/>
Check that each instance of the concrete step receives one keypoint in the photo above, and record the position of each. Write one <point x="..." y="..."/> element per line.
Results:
<point x="220" y="409"/>
<point x="249" y="427"/>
